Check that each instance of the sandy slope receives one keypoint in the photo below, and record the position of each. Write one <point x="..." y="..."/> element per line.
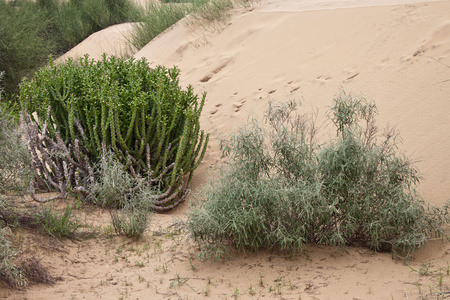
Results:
<point x="386" y="53"/>
<point x="397" y="55"/>
<point x="112" y="41"/>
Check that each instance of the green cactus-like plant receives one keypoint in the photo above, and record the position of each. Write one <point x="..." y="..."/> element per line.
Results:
<point x="83" y="108"/>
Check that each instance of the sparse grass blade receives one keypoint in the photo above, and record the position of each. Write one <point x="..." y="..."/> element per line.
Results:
<point x="59" y="225"/>
<point x="157" y="18"/>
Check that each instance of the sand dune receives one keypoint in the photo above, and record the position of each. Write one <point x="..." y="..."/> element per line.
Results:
<point x="394" y="55"/>
<point x="395" y="52"/>
<point x="111" y="41"/>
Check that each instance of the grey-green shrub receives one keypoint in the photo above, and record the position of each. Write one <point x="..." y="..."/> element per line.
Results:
<point x="132" y="219"/>
<point x="14" y="156"/>
<point x="130" y="197"/>
<point x="282" y="190"/>
<point x="113" y="184"/>
<point x="142" y="115"/>
<point x="9" y="272"/>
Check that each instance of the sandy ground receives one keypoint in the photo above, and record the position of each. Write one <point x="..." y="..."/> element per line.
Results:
<point x="396" y="53"/>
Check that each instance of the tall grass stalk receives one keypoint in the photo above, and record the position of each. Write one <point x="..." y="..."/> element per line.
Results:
<point x="156" y="19"/>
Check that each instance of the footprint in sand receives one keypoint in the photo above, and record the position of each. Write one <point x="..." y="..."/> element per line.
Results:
<point x="294" y="89"/>
<point x="258" y="94"/>
<point x="351" y="77"/>
<point x="323" y="78"/>
<point x="237" y="105"/>
<point x="216" y="70"/>
<point x="215" y="109"/>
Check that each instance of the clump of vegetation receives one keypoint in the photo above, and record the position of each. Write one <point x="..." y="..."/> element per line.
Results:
<point x="9" y="272"/>
<point x="156" y="18"/>
<point x="30" y="31"/>
<point x="85" y="108"/>
<point x="58" y="225"/>
<point x="282" y="189"/>
<point x="35" y="272"/>
<point x="23" y="46"/>
<point x="14" y="162"/>
<point x="207" y="12"/>
<point x="72" y="21"/>
<point x="117" y="189"/>
<point x="19" y="275"/>
<point x="132" y="219"/>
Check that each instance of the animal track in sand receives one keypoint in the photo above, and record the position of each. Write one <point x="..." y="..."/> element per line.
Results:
<point x="295" y="86"/>
<point x="206" y="78"/>
<point x="182" y="48"/>
<point x="351" y="77"/>
<point x="294" y="89"/>
<point x="237" y="105"/>
<point x="216" y="70"/>
<point x="323" y="78"/>
<point x="215" y="109"/>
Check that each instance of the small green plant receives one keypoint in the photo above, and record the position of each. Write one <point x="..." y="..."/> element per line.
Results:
<point x="191" y="263"/>
<point x="139" y="264"/>
<point x="235" y="293"/>
<point x="282" y="189"/>
<point x="178" y="281"/>
<point x="419" y="288"/>
<point x="207" y="291"/>
<point x="291" y="285"/>
<point x="130" y="221"/>
<point x="251" y="291"/>
<point x="58" y="225"/>
<point x="424" y="269"/>
<point x="113" y="186"/>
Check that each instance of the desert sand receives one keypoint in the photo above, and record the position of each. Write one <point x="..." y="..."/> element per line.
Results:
<point x="396" y="53"/>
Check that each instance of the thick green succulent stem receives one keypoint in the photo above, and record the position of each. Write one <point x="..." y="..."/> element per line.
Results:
<point x="141" y="114"/>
